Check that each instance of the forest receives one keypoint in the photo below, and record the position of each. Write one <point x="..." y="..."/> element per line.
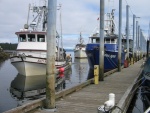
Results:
<point x="8" y="46"/>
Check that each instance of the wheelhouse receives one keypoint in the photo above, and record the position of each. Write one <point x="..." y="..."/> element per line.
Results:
<point x="107" y="40"/>
<point x="31" y="36"/>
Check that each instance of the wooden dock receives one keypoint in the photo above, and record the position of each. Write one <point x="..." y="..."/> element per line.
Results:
<point x="89" y="98"/>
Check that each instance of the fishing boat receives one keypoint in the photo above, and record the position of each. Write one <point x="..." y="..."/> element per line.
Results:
<point x="110" y="46"/>
<point x="79" y="51"/>
<point x="30" y="56"/>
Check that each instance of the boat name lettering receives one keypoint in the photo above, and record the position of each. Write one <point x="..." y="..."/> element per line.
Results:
<point x="41" y="61"/>
<point x="110" y="56"/>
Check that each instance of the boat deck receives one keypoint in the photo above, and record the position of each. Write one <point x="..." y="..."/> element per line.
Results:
<point x="88" y="99"/>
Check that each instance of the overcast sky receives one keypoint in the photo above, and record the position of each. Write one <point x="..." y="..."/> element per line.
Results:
<point x="77" y="16"/>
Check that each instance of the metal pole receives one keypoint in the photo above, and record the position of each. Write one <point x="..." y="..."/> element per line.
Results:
<point x="101" y="50"/>
<point x="133" y="38"/>
<point x="127" y="30"/>
<point x="120" y="36"/>
<point x="141" y="43"/>
<point x="28" y="14"/>
<point x="51" y="47"/>
<point x="136" y="40"/>
<point x="147" y="49"/>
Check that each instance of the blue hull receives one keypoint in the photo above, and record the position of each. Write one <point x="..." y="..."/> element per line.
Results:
<point x="110" y="57"/>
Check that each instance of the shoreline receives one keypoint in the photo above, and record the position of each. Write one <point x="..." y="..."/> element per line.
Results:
<point x="3" y="55"/>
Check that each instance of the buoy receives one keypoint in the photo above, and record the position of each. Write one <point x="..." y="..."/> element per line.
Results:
<point x="61" y="70"/>
<point x="61" y="75"/>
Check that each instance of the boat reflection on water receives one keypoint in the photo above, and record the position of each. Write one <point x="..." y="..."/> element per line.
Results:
<point x="141" y="100"/>
<point x="31" y="87"/>
<point x="27" y="86"/>
<point x="81" y="68"/>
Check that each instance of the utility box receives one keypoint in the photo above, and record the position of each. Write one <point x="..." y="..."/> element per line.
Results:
<point x="96" y="74"/>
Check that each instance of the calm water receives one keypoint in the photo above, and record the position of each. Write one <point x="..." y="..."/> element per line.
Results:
<point x="16" y="90"/>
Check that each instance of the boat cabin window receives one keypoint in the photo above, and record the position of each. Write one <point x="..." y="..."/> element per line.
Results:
<point x="112" y="40"/>
<point x="31" y="38"/>
<point x="95" y="40"/>
<point x="107" y="40"/>
<point x="41" y="38"/>
<point x="22" y="37"/>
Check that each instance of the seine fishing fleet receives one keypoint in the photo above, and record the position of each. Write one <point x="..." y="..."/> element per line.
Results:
<point x="110" y="46"/>
<point x="30" y="56"/>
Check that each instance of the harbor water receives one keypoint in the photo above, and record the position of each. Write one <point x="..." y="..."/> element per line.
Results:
<point x="17" y="89"/>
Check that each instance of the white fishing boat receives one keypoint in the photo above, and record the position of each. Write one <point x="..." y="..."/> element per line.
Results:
<point x="79" y="51"/>
<point x="30" y="56"/>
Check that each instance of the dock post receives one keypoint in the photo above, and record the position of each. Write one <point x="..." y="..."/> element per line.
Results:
<point x="133" y="56"/>
<point x="147" y="49"/>
<point x="101" y="46"/>
<point x="127" y="32"/>
<point x="96" y="74"/>
<point x="51" y="46"/>
<point x="136" y="41"/>
<point x="120" y="35"/>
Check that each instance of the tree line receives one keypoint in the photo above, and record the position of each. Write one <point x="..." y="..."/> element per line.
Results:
<point x="8" y="46"/>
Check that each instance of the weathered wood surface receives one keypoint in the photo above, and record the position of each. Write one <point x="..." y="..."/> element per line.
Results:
<point x="91" y="97"/>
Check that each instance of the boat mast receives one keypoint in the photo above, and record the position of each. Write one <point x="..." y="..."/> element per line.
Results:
<point x="28" y="13"/>
<point x="26" y="26"/>
<point x="44" y="17"/>
<point x="62" y="50"/>
<point x="80" y="39"/>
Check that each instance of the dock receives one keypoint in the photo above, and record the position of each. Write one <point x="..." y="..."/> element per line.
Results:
<point x="87" y="97"/>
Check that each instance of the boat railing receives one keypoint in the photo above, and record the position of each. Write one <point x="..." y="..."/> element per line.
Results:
<point x="30" y="54"/>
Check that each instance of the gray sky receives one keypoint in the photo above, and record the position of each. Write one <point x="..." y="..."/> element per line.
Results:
<point x="77" y="16"/>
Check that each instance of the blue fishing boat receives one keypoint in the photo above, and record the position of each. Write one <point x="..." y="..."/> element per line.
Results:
<point x="110" y="46"/>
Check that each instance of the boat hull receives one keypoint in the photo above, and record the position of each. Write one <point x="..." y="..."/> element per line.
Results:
<point x="80" y="53"/>
<point x="31" y="66"/>
<point x="110" y="57"/>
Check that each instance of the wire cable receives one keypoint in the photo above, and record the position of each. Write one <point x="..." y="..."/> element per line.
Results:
<point x="129" y="7"/>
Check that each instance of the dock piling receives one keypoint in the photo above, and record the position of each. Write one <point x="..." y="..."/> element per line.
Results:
<point x="50" y="67"/>
<point x="120" y="35"/>
<point x="101" y="50"/>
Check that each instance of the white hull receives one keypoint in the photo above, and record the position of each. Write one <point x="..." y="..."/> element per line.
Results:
<point x="29" y="66"/>
<point x="80" y="53"/>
